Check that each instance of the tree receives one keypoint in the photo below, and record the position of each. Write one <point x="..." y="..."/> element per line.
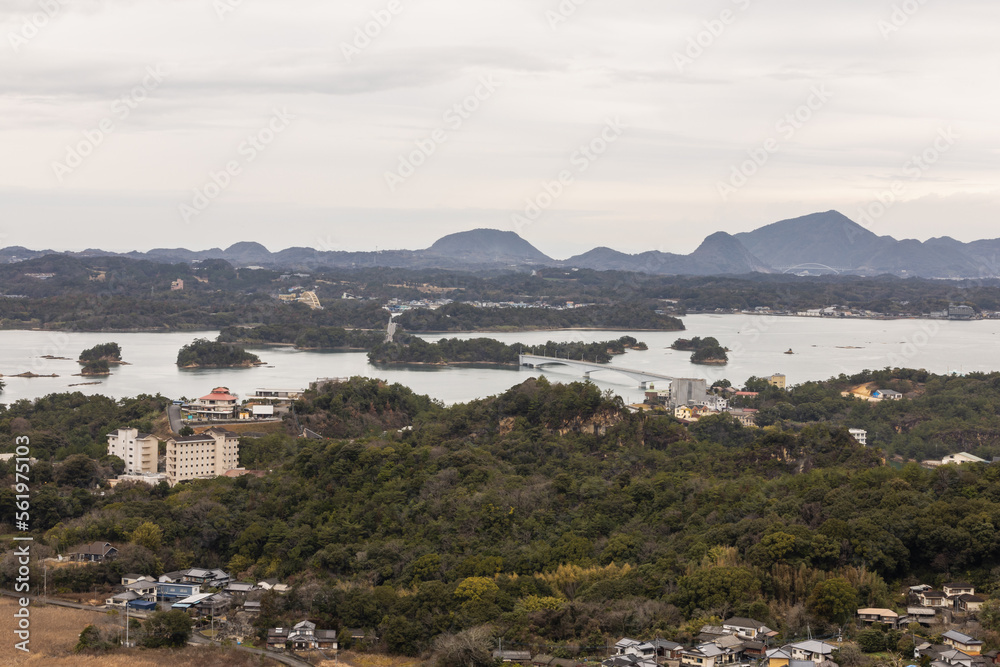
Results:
<point x="148" y="535"/>
<point x="476" y="589"/>
<point x="834" y="600"/>
<point x="469" y="648"/>
<point x="78" y="470"/>
<point x="185" y="431"/>
<point x="167" y="629"/>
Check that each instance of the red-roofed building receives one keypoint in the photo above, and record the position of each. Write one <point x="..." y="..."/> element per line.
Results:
<point x="220" y="404"/>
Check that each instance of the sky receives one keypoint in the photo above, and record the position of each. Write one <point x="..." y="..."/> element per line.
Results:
<point x="379" y="124"/>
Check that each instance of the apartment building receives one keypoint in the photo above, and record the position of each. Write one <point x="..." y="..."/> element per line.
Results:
<point x="137" y="450"/>
<point x="202" y="456"/>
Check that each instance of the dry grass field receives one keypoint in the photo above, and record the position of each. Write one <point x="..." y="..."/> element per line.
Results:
<point x="352" y="659"/>
<point x="55" y="630"/>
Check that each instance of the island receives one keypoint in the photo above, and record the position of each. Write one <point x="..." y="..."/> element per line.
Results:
<point x="98" y="359"/>
<point x="409" y="349"/>
<point x="110" y="353"/>
<point x="203" y="353"/>
<point x="706" y="351"/>
<point x="467" y="317"/>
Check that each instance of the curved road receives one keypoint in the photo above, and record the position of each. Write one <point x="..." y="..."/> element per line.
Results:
<point x="174" y="414"/>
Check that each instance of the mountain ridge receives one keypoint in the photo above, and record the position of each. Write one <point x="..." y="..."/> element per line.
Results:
<point x="818" y="242"/>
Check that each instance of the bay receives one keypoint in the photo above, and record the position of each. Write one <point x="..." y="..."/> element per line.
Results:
<point x="821" y="348"/>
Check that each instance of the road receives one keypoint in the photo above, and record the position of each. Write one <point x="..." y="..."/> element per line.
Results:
<point x="174" y="413"/>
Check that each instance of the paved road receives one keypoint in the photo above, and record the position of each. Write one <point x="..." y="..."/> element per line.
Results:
<point x="174" y="413"/>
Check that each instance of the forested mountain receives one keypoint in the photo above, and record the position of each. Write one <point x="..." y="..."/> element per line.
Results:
<point x="548" y="513"/>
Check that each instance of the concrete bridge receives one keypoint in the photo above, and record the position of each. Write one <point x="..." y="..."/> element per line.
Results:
<point x="644" y="378"/>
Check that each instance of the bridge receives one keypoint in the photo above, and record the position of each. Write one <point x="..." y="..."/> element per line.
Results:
<point x="644" y="378"/>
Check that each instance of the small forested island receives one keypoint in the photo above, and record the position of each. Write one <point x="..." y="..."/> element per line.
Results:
<point x="467" y="317"/>
<point x="110" y="353"/>
<point x="311" y="338"/>
<point x="706" y="351"/>
<point x="203" y="353"/>
<point x="96" y="367"/>
<point x="412" y="350"/>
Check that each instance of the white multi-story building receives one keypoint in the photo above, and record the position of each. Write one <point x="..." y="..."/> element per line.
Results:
<point x="137" y="450"/>
<point x="202" y="456"/>
<point x="861" y="435"/>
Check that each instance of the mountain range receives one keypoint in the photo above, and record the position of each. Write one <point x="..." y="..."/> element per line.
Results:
<point x="818" y="243"/>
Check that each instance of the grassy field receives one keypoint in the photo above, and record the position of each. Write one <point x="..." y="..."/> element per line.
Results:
<point x="55" y="630"/>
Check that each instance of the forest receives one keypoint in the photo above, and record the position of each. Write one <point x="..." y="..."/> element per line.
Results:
<point x="310" y="338"/>
<point x="706" y="350"/>
<point x="466" y="317"/>
<point x="549" y="513"/>
<point x="408" y="349"/>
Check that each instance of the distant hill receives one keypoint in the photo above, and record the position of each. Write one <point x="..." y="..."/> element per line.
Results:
<point x="834" y="240"/>
<point x="490" y="245"/>
<point x="819" y="242"/>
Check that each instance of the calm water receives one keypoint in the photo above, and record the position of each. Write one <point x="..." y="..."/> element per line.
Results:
<point x="822" y="348"/>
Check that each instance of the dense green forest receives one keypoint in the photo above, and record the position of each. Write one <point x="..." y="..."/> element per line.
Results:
<point x="311" y="338"/>
<point x="549" y="511"/>
<point x="465" y="317"/>
<point x="706" y="350"/>
<point x="410" y="349"/>
<point x="203" y="353"/>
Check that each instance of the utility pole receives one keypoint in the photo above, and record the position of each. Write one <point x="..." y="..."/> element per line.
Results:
<point x="126" y="623"/>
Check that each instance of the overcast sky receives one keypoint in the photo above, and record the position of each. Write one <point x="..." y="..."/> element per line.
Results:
<point x="695" y="116"/>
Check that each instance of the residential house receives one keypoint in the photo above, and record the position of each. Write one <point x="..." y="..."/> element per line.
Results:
<point x="272" y="584"/>
<point x="521" y="657"/>
<point x="922" y="615"/>
<point x="962" y="642"/>
<point x="969" y="603"/>
<point x="716" y="403"/>
<point x="887" y="395"/>
<point x="251" y="606"/>
<point x="933" y="599"/>
<point x="132" y="577"/>
<point x="139" y="451"/>
<point x="667" y="650"/>
<point x="122" y="599"/>
<point x="166" y="590"/>
<point x="303" y="636"/>
<point x="202" y="456"/>
<point x="240" y="587"/>
<point x="326" y="640"/>
<point x="954" y="589"/>
<point x="95" y="552"/>
<point x="747" y="628"/>
<point x="861" y="435"/>
<point x="683" y="412"/>
<point x="778" y="657"/>
<point x="811" y="650"/>
<point x="276" y="638"/>
<point x="709" y="654"/>
<point x="746" y="417"/>
<point x="871" y="615"/>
